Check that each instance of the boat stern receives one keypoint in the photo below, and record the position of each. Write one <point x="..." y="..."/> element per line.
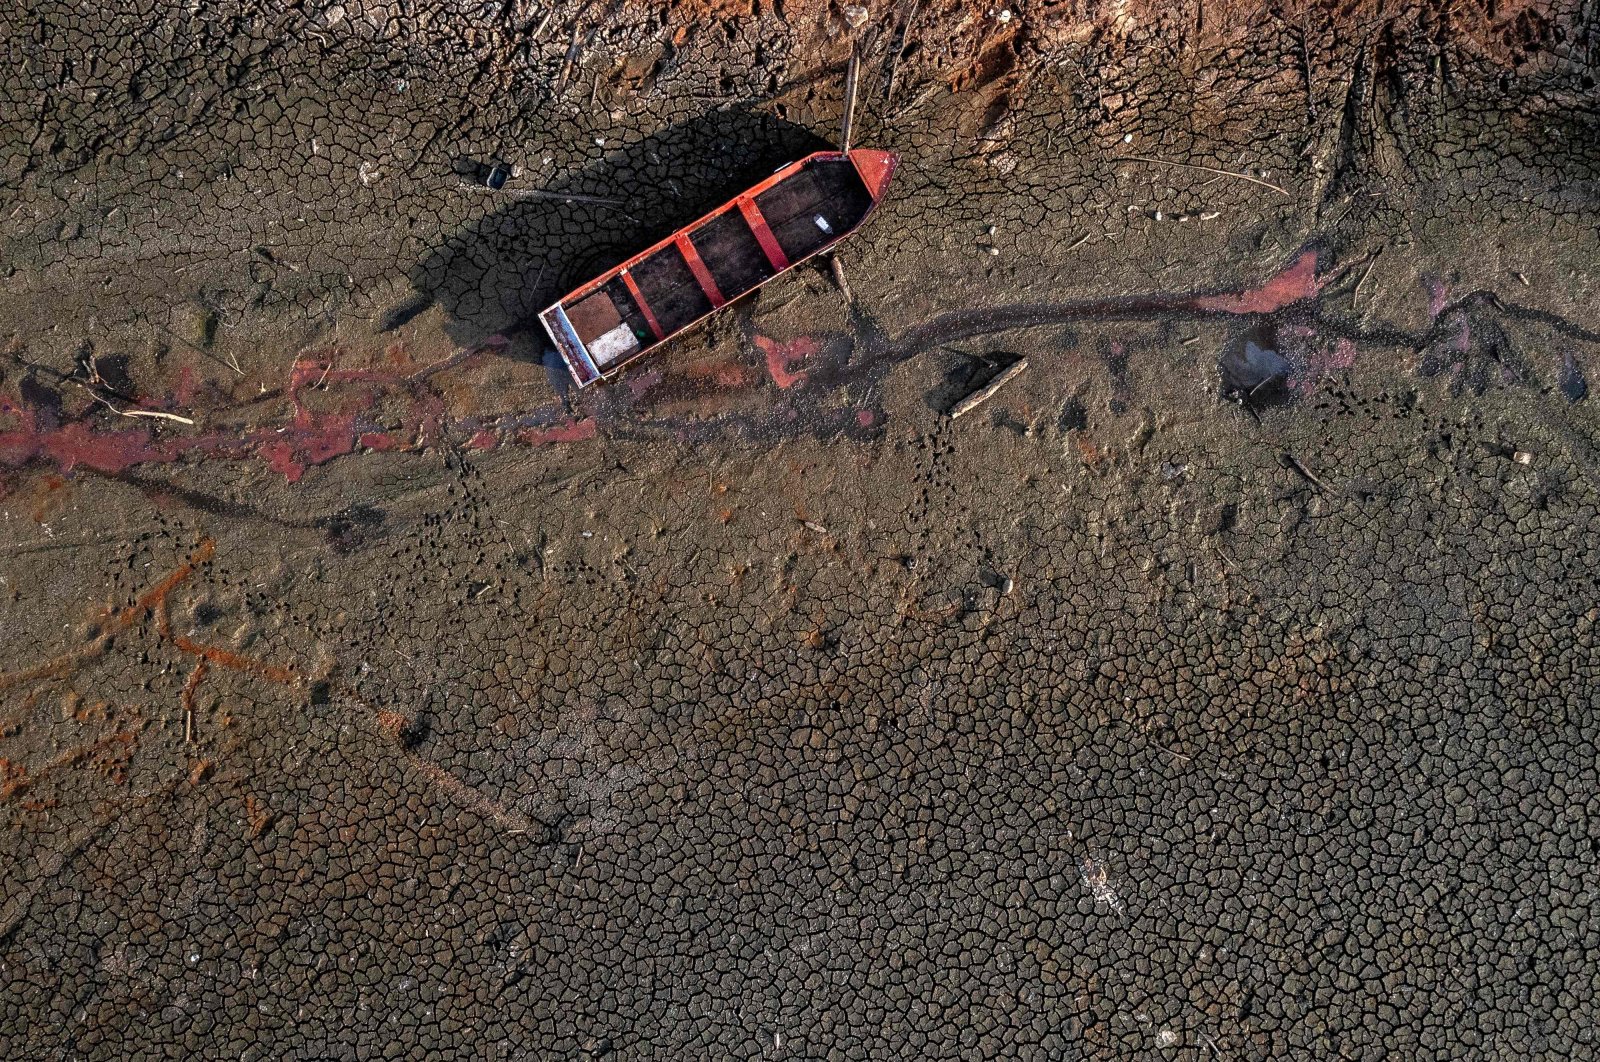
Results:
<point x="570" y="347"/>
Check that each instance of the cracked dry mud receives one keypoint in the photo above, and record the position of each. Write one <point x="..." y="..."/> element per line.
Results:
<point x="1222" y="688"/>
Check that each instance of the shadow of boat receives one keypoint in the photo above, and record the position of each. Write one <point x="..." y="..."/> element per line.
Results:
<point x="538" y="242"/>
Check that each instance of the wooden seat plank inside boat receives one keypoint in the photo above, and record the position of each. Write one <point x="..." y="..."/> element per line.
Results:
<point x="815" y="207"/>
<point x="732" y="253"/>
<point x="670" y="289"/>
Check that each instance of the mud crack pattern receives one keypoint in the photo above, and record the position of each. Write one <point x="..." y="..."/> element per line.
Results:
<point x="1223" y="688"/>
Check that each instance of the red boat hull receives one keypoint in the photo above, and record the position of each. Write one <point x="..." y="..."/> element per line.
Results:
<point x="802" y="210"/>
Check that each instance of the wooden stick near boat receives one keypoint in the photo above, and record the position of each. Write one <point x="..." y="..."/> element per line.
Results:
<point x="851" y="76"/>
<point x="984" y="393"/>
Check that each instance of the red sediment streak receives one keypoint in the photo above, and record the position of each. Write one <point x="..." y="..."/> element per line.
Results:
<point x="783" y="357"/>
<point x="112" y="753"/>
<point x="640" y="382"/>
<point x="1438" y="297"/>
<point x="154" y="602"/>
<point x="571" y="431"/>
<point x="1295" y="283"/>
<point x="183" y="394"/>
<point x="78" y="445"/>
<point x="470" y="798"/>
<point x="114" y="621"/>
<point x="310" y="438"/>
<point x="1323" y="360"/>
<point x="314" y="440"/>
<point x="220" y="657"/>
<point x="217" y="656"/>
<point x="197" y="676"/>
<point x="156" y="596"/>
<point x="156" y="599"/>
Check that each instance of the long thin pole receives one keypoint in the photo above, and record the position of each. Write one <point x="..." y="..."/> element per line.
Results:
<point x="850" y="77"/>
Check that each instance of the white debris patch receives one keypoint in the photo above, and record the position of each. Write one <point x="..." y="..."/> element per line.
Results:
<point x="1094" y="877"/>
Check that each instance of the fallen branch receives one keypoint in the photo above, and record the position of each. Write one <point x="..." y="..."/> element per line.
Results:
<point x="838" y="278"/>
<point x="899" y="49"/>
<point x="95" y="394"/>
<point x="1200" y="166"/>
<point x="851" y="75"/>
<point x="570" y="197"/>
<point x="231" y="363"/>
<point x="146" y="413"/>
<point x="984" y="393"/>
<point x="1293" y="464"/>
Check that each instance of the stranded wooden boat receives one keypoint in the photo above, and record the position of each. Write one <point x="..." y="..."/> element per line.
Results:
<point x="801" y="210"/>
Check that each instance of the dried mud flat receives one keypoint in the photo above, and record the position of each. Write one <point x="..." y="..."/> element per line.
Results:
<point x="1223" y="687"/>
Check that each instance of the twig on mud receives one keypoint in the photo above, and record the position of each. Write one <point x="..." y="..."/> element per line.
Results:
<point x="1201" y="166"/>
<point x="232" y="362"/>
<point x="1291" y="462"/>
<point x="1355" y="296"/>
<point x="571" y="197"/>
<point x="574" y="49"/>
<point x="984" y="393"/>
<point x="838" y="278"/>
<point x="572" y="55"/>
<point x="899" y="47"/>
<point x="98" y="397"/>
<point x="1079" y="242"/>
<point x="450" y="362"/>
<point x="851" y="81"/>
<point x="145" y="413"/>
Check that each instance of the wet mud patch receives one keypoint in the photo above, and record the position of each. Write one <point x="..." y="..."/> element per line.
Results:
<point x="1282" y="338"/>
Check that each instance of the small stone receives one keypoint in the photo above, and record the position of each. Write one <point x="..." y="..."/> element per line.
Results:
<point x="1522" y="457"/>
<point x="855" y="15"/>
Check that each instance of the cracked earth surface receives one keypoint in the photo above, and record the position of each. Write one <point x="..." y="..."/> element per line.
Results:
<point x="1221" y="688"/>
